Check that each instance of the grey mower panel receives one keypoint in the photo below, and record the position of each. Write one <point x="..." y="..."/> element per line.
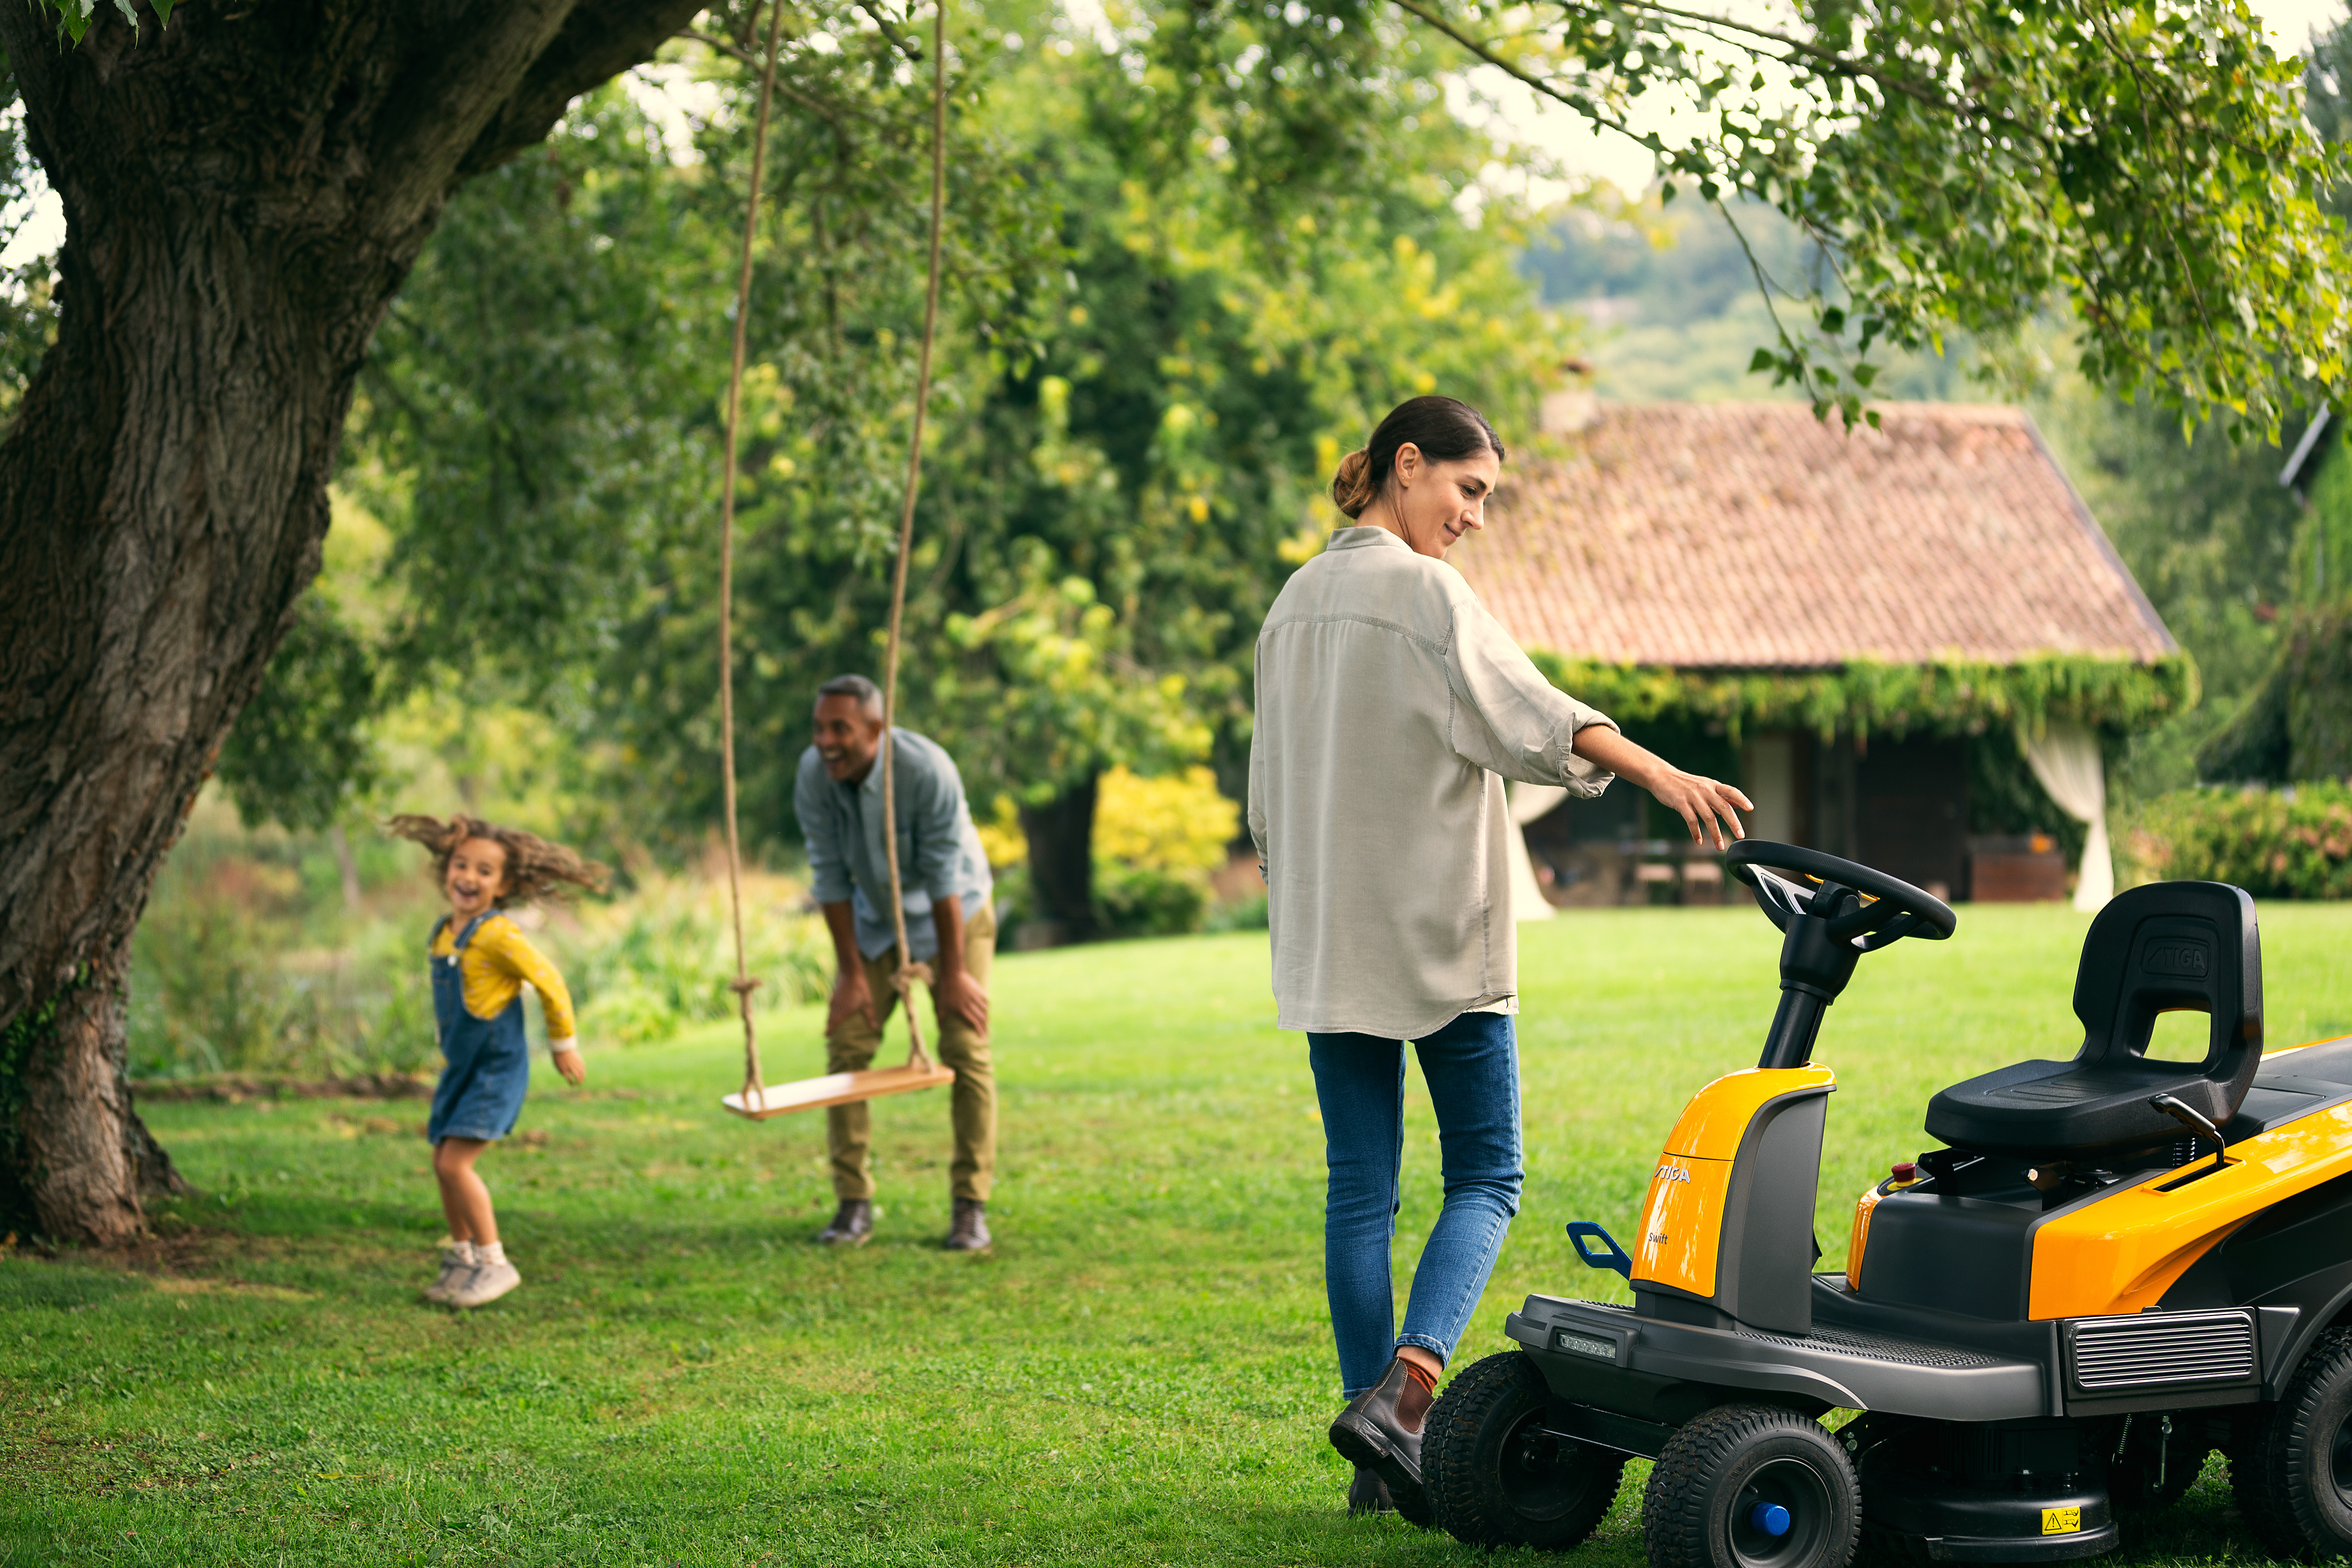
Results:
<point x="1764" y="1257"/>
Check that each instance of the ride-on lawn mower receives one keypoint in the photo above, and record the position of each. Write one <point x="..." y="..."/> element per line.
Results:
<point x="2116" y="1266"/>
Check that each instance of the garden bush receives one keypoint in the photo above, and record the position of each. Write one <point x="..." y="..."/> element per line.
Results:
<point x="1141" y="900"/>
<point x="1156" y="841"/>
<point x="2290" y="843"/>
<point x="246" y="961"/>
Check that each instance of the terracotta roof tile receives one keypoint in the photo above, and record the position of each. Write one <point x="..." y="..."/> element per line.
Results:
<point x="1751" y="535"/>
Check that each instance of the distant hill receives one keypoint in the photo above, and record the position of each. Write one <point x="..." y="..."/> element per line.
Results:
<point x="1674" y="308"/>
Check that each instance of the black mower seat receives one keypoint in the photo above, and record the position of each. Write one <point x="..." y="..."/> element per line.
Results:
<point x="2168" y="947"/>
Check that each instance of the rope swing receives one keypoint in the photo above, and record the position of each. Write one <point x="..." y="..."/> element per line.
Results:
<point x="756" y="1101"/>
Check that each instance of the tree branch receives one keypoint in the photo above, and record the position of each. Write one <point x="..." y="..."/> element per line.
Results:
<point x="1828" y="60"/>
<point x="831" y="113"/>
<point x="1764" y="287"/>
<point x="898" y="42"/>
<point x="597" y="41"/>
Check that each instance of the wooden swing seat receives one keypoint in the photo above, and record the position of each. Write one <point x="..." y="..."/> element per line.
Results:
<point x="836" y="1089"/>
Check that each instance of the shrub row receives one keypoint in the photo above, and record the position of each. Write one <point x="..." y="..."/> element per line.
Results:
<point x="2289" y="843"/>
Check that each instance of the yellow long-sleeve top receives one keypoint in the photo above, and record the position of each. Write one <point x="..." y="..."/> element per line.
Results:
<point x="497" y="964"/>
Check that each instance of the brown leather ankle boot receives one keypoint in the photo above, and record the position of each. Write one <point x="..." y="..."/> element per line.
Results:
<point x="1380" y="1430"/>
<point x="852" y="1224"/>
<point x="969" y="1230"/>
<point x="1368" y="1494"/>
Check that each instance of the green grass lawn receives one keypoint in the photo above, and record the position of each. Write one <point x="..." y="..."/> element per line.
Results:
<point x="1140" y="1374"/>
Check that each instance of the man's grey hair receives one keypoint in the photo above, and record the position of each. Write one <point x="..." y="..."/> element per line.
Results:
<point x="868" y="695"/>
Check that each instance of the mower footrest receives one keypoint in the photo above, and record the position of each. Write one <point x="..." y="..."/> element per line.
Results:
<point x="1607" y="1429"/>
<point x="1607" y="1356"/>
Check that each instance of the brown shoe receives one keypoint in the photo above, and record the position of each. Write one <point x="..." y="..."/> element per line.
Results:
<point x="1368" y="1494"/>
<point x="968" y="1232"/>
<point x="1381" y="1431"/>
<point x="852" y="1224"/>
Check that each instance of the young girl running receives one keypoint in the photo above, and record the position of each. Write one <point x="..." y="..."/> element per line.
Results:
<point x="480" y="963"/>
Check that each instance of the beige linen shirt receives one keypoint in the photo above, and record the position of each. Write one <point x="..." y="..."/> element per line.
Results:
<point x="1390" y="707"/>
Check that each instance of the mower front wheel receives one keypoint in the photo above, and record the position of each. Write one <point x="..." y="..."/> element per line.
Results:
<point x="2293" y="1472"/>
<point x="1751" y="1485"/>
<point x="1495" y="1478"/>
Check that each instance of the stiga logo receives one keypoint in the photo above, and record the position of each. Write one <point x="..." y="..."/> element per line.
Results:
<point x="2187" y="960"/>
<point x="1672" y="1173"/>
<point x="1583" y="1346"/>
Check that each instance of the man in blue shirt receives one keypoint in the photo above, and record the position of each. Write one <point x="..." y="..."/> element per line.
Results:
<point x="951" y="925"/>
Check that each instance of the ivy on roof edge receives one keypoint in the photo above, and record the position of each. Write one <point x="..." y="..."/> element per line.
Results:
<point x="1955" y="698"/>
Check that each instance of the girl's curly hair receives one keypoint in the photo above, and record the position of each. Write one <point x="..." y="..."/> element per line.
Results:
<point x="536" y="870"/>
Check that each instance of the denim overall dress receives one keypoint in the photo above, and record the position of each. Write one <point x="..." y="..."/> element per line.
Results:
<point x="487" y="1060"/>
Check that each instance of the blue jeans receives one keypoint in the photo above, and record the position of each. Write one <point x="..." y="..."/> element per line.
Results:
<point x="1472" y="1068"/>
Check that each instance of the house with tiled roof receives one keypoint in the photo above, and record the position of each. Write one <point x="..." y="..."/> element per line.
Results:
<point x="1906" y="641"/>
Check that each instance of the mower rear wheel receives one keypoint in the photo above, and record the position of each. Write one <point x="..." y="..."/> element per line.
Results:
<point x="1494" y="1477"/>
<point x="2293" y="1473"/>
<point x="1751" y="1485"/>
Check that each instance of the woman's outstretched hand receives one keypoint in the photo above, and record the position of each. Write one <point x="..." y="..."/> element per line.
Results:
<point x="1709" y="807"/>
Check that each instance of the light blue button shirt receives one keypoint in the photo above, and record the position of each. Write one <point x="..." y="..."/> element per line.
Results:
<point x="939" y="855"/>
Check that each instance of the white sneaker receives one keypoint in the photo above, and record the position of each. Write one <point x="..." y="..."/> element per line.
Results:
<point x="485" y="1284"/>
<point x="456" y="1262"/>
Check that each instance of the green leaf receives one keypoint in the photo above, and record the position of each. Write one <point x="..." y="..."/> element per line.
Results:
<point x="74" y="16"/>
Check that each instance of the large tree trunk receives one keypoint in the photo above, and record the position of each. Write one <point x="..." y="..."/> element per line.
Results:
<point x="244" y="192"/>
<point x="84" y="1149"/>
<point x="1061" y="835"/>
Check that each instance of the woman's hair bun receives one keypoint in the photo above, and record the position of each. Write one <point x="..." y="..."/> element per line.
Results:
<point x="1352" y="486"/>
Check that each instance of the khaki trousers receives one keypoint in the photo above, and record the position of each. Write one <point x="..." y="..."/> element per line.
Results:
<point x="971" y="1103"/>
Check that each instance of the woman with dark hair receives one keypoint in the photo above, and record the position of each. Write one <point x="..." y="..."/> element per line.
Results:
<point x="1391" y="707"/>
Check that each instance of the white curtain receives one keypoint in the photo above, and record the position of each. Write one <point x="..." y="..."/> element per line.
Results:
<point x="2066" y="758"/>
<point x="1529" y="802"/>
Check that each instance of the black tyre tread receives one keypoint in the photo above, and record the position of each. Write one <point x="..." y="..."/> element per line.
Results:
<point x="1445" y="1471"/>
<point x="1450" y="1463"/>
<point x="1412" y="1506"/>
<point x="2263" y="1477"/>
<point x="1674" y="1505"/>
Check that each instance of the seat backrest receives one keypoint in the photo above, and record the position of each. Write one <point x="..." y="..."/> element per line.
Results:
<point x="2168" y="947"/>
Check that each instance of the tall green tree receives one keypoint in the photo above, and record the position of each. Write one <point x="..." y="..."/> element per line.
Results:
<point x="2289" y="680"/>
<point x="2208" y="532"/>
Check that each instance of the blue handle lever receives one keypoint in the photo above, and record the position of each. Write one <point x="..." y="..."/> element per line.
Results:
<point x="1583" y="1230"/>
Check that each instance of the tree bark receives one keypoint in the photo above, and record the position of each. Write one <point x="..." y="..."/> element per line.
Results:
<point x="86" y="1151"/>
<point x="244" y="192"/>
<point x="1061" y="835"/>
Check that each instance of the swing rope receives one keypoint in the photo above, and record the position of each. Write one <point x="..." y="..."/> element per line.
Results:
<point x="743" y="984"/>
<point x="909" y="972"/>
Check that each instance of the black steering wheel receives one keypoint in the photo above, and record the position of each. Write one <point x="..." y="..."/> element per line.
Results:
<point x="1868" y="909"/>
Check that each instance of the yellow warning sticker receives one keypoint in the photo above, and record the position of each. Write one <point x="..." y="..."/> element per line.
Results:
<point x="2061" y="1521"/>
